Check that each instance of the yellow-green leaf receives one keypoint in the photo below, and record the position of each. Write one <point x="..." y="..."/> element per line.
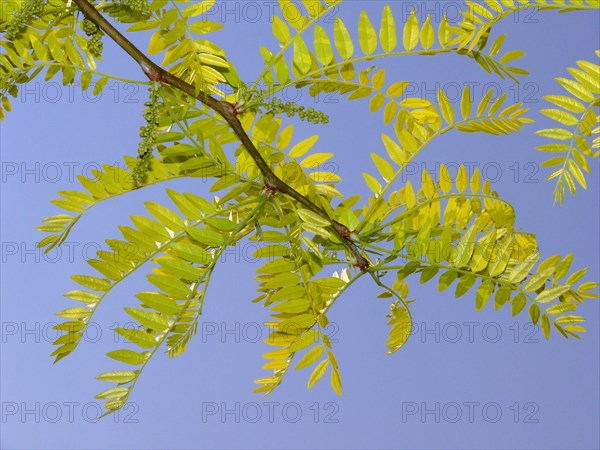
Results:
<point x="411" y="32"/>
<point x="318" y="373"/>
<point x="343" y="41"/>
<point x="387" y="33"/>
<point x="366" y="34"/>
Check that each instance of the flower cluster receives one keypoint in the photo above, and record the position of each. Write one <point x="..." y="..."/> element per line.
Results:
<point x="147" y="133"/>
<point x="277" y="106"/>
<point x="22" y="17"/>
<point x="249" y="99"/>
<point x="137" y="6"/>
<point x="95" y="44"/>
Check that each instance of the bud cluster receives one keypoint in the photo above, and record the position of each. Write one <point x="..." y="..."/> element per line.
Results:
<point x="255" y="99"/>
<point x="147" y="133"/>
<point x="95" y="44"/>
<point x="137" y="6"/>
<point x="22" y="17"/>
<point x="277" y="106"/>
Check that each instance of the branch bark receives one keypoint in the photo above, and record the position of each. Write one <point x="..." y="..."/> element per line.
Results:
<point x="227" y="110"/>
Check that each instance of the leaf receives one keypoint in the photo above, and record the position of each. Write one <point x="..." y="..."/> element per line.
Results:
<point x="295" y="306"/>
<point x="281" y="31"/>
<point x="446" y="280"/>
<point x="384" y="167"/>
<point x="308" y="338"/>
<point x="128" y="356"/>
<point x="159" y="302"/>
<point x="394" y="151"/>
<point x="555" y="133"/>
<point x="520" y="272"/>
<point x="318" y="373"/>
<point x="312" y="218"/>
<point x="577" y="173"/>
<point x="409" y="194"/>
<point x="552" y="293"/>
<point x="165" y="216"/>
<point x="427" y="34"/>
<point x="466" y="246"/>
<point x="538" y="280"/>
<point x="191" y="252"/>
<point x="465" y="103"/>
<point x="148" y="319"/>
<point x="411" y="32"/>
<point x="74" y="313"/>
<point x="462" y="179"/>
<point x="534" y="313"/>
<point x="445" y="107"/>
<point x="545" y="325"/>
<point x="401" y="328"/>
<point x="94" y="283"/>
<point x="207" y="237"/>
<point x="484" y="291"/>
<point x="518" y="304"/>
<point x="336" y="381"/>
<point x="83" y="296"/>
<point x="311" y="357"/>
<point x="372" y="182"/>
<point x="501" y="256"/>
<point x="366" y="34"/>
<point x="205" y="26"/>
<point x="302" y="57"/>
<point x="115" y="392"/>
<point x="199" y="8"/>
<point x="342" y="39"/>
<point x="576" y="89"/>
<point x="465" y="283"/>
<point x="117" y="376"/>
<point x="387" y="33"/>
<point x="568" y="103"/>
<point x="560" y="116"/>
<point x="445" y="182"/>
<point x="301" y="148"/>
<point x="322" y="44"/>
<point x="139" y="337"/>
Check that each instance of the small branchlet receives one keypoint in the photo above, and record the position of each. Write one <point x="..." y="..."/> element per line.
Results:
<point x="246" y="100"/>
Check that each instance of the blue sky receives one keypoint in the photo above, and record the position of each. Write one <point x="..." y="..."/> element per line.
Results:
<point x="464" y="380"/>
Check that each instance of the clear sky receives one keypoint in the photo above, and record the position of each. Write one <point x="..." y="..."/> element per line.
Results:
<point x="464" y="380"/>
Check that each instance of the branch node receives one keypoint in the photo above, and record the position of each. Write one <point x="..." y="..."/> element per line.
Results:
<point x="342" y="230"/>
<point x="363" y="265"/>
<point x="229" y="110"/>
<point x="270" y="188"/>
<point x="150" y="72"/>
<point x="238" y="108"/>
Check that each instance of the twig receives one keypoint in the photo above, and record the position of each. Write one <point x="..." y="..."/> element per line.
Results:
<point x="229" y="112"/>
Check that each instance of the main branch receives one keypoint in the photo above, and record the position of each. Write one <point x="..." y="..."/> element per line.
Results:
<point x="227" y="110"/>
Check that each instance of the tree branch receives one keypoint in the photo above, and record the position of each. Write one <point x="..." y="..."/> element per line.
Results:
<point x="227" y="110"/>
